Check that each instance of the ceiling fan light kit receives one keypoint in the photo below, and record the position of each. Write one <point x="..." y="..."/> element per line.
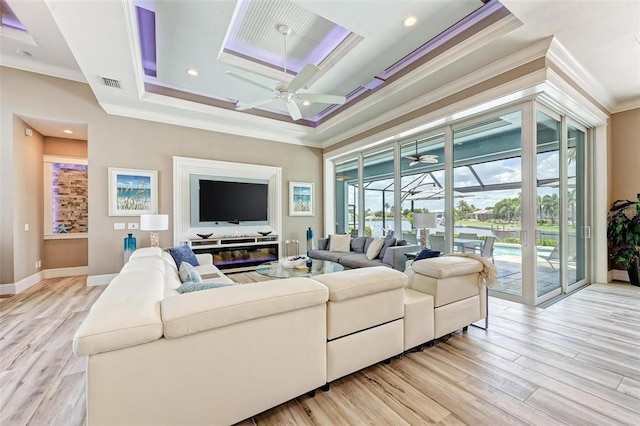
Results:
<point x="288" y="91"/>
<point x="425" y="158"/>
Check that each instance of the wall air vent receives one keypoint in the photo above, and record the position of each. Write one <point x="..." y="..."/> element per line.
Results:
<point x="111" y="82"/>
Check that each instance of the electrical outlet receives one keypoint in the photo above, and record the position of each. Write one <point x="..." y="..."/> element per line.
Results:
<point x="133" y="225"/>
<point x="26" y="226"/>
<point x="119" y="225"/>
<point x="38" y="264"/>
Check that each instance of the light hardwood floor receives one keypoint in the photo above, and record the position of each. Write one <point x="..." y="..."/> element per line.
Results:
<point x="576" y="362"/>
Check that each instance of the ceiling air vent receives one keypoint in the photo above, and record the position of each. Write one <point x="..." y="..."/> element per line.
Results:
<point x="111" y="82"/>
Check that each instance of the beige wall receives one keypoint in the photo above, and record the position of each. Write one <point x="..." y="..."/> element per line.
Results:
<point x="28" y="199"/>
<point x="65" y="253"/>
<point x="65" y="147"/>
<point x="625" y="164"/>
<point x="124" y="142"/>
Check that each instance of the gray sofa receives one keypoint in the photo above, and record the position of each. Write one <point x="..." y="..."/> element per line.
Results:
<point x="391" y="256"/>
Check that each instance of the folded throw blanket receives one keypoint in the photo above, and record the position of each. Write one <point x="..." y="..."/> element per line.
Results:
<point x="489" y="274"/>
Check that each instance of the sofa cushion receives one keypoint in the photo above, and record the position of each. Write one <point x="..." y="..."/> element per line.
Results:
<point x="144" y="264"/>
<point x="388" y="242"/>
<point x="126" y="314"/>
<point x="146" y="252"/>
<point x="374" y="248"/>
<point x="333" y="256"/>
<point x="188" y="273"/>
<point x="191" y="313"/>
<point x="340" y="242"/>
<point x="447" y="266"/>
<point x="183" y="254"/>
<point x="190" y="286"/>
<point x="357" y="244"/>
<point x="354" y="283"/>
<point x="359" y="260"/>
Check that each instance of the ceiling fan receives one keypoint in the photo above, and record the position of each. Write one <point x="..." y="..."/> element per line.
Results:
<point x="426" y="158"/>
<point x="288" y="91"/>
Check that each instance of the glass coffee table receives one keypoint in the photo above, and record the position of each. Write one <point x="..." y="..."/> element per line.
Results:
<point x="318" y="267"/>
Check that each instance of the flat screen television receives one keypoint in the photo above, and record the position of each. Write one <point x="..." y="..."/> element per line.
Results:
<point x="233" y="202"/>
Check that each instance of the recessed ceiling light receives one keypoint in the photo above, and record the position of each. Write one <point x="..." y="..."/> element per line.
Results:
<point x="192" y="72"/>
<point x="410" y="21"/>
<point x="306" y="103"/>
<point x="67" y="131"/>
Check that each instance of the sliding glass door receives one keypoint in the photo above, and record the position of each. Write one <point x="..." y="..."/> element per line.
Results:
<point x="510" y="186"/>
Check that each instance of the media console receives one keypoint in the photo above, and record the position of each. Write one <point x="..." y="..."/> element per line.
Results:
<point x="238" y="253"/>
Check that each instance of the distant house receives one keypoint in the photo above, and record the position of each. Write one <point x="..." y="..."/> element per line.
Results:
<point x="482" y="215"/>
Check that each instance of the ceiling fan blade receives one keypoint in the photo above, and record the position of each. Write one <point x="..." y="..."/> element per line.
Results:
<point x="254" y="104"/>
<point x="429" y="160"/>
<point x="294" y="111"/>
<point x="411" y="157"/>
<point x="302" y="77"/>
<point x="322" y="98"/>
<point x="248" y="80"/>
<point x="413" y="163"/>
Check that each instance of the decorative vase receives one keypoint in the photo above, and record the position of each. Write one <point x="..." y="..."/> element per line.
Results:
<point x="129" y="247"/>
<point x="309" y="240"/>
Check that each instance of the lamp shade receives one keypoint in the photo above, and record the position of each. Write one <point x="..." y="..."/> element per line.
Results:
<point x="154" y="222"/>
<point x="424" y="220"/>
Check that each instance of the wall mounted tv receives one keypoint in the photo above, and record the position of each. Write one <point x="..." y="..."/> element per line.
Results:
<point x="232" y="201"/>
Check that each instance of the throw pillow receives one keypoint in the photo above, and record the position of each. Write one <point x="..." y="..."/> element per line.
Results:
<point x="388" y="242"/>
<point x="339" y="242"/>
<point x="374" y="248"/>
<point x="368" y="243"/>
<point x="183" y="254"/>
<point x="188" y="273"/>
<point x="425" y="254"/>
<point x="190" y="286"/>
<point x="357" y="244"/>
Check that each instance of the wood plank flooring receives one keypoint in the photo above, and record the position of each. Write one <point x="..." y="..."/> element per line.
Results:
<point x="576" y="362"/>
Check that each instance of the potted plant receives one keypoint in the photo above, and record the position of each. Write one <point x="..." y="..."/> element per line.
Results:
<point x="623" y="234"/>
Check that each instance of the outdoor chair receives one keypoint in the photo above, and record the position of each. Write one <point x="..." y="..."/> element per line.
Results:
<point x="468" y="236"/>
<point x="410" y="238"/>
<point x="553" y="258"/>
<point x="436" y="243"/>
<point x="486" y="250"/>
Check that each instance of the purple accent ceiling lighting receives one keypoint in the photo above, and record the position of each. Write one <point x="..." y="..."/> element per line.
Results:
<point x="9" y="19"/>
<point x="147" y="26"/>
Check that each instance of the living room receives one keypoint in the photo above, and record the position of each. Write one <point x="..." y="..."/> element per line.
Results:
<point x="128" y="137"/>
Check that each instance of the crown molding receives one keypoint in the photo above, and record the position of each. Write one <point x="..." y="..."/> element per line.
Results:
<point x="561" y="58"/>
<point x="626" y="106"/>
<point x="448" y="57"/>
<point x="216" y="120"/>
<point x="29" y="65"/>
<point x="524" y="56"/>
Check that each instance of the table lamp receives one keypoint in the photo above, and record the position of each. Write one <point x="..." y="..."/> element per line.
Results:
<point x="154" y="223"/>
<point x="423" y="221"/>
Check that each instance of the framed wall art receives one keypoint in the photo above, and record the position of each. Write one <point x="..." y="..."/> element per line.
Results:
<point x="301" y="199"/>
<point x="132" y="192"/>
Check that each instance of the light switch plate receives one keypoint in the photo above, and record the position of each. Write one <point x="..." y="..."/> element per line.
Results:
<point x="119" y="225"/>
<point x="133" y="225"/>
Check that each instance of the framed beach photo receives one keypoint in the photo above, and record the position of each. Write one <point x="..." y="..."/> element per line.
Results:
<point x="301" y="199"/>
<point x="132" y="192"/>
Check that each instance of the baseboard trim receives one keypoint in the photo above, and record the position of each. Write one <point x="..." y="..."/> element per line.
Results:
<point x="93" y="280"/>
<point x="65" y="272"/>
<point x="20" y="286"/>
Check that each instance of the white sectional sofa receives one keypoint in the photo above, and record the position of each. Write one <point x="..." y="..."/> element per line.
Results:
<point x="222" y="355"/>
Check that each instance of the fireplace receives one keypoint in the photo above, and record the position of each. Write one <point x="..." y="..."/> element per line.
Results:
<point x="241" y="258"/>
